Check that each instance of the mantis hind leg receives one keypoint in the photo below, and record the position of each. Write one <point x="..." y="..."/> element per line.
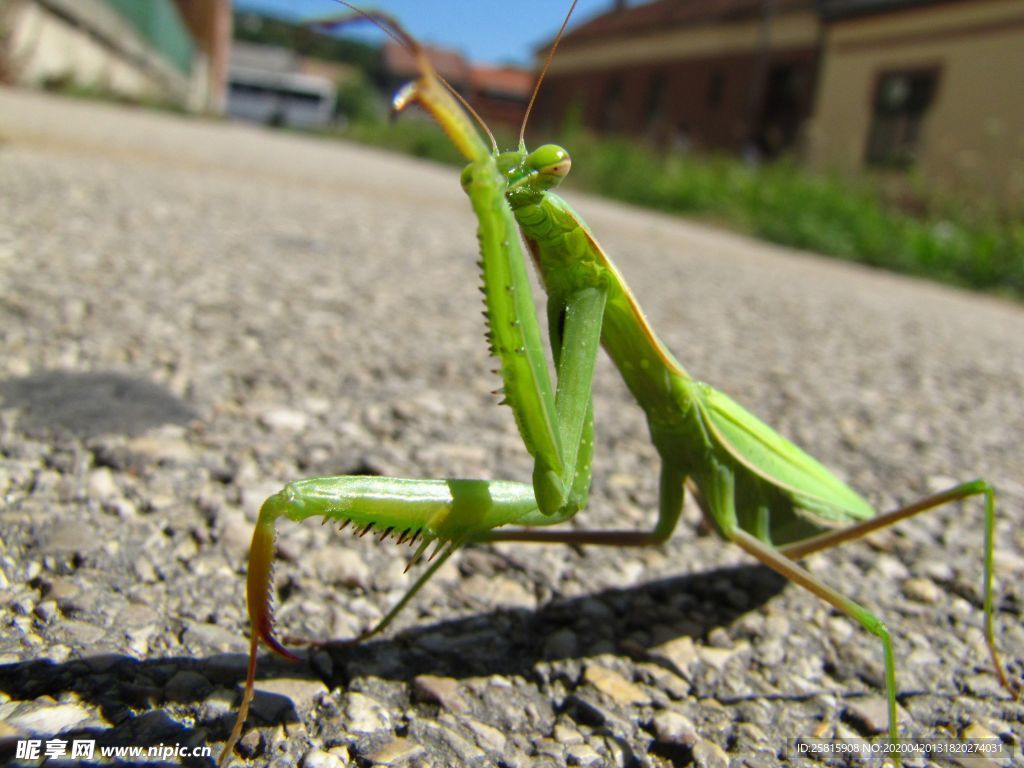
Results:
<point x="830" y="539"/>
<point x="719" y="496"/>
<point x="783" y="565"/>
<point x="782" y="560"/>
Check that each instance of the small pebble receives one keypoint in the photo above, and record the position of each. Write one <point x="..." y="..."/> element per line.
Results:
<point x="317" y="758"/>
<point x="366" y="715"/>
<point x="869" y="715"/>
<point x="707" y="754"/>
<point x="674" y="728"/>
<point x="49" y="719"/>
<point x="614" y="685"/>
<point x="284" y="419"/>
<point x="679" y="653"/>
<point x="583" y="755"/>
<point x="443" y="690"/>
<point x="922" y="590"/>
<point x="395" y="752"/>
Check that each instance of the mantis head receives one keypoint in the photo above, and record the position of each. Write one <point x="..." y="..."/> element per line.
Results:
<point x="539" y="171"/>
<point x="528" y="175"/>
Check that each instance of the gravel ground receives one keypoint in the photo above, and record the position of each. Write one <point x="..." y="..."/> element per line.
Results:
<point x="194" y="313"/>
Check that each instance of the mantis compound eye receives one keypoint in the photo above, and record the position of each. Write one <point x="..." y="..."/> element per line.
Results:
<point x="551" y="162"/>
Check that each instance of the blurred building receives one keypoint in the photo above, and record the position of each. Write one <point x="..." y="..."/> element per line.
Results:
<point x="934" y="86"/>
<point x="498" y="94"/>
<point x="710" y="74"/>
<point x="275" y="86"/>
<point x="171" y="51"/>
<point x="399" y="65"/>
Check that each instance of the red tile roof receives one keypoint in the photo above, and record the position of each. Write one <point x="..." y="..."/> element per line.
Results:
<point x="508" y="81"/>
<point x="451" y="65"/>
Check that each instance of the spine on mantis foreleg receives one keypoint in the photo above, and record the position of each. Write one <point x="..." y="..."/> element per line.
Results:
<point x="514" y="334"/>
<point x="440" y="512"/>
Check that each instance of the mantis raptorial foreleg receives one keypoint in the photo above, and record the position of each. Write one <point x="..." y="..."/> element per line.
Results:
<point x="755" y="488"/>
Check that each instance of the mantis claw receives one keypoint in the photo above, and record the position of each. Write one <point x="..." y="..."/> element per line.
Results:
<point x="261" y="609"/>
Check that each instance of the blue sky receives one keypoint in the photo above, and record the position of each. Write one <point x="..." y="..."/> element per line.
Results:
<point x="494" y="31"/>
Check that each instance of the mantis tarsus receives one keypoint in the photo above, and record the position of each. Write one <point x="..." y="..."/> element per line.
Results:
<point x="754" y="487"/>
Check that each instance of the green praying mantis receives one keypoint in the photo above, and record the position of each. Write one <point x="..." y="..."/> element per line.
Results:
<point x="755" y="488"/>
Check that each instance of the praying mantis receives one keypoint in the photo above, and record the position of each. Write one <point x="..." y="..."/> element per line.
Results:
<point x="754" y="487"/>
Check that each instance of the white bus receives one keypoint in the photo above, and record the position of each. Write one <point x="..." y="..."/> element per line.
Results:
<point x="280" y="98"/>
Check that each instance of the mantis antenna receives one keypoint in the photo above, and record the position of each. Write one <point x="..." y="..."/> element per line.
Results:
<point x="543" y="72"/>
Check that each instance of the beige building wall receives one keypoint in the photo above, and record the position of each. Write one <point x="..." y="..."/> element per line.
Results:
<point x="43" y="46"/>
<point x="972" y="136"/>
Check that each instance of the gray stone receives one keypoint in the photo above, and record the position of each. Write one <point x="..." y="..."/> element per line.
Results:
<point x="277" y="696"/>
<point x="50" y="719"/>
<point x="317" y="758"/>
<point x="101" y="484"/>
<point x="583" y="755"/>
<point x="443" y="690"/>
<point x="81" y="633"/>
<point x="922" y="590"/>
<point x="707" y="754"/>
<point x="218" y="704"/>
<point x="341" y="566"/>
<point x="284" y="419"/>
<point x="252" y="743"/>
<point x="187" y="685"/>
<point x="446" y="733"/>
<point x="159" y="449"/>
<point x="488" y="737"/>
<point x="205" y="637"/>
<point x="678" y="654"/>
<point x="365" y="715"/>
<point x="72" y="536"/>
<point x="615" y="686"/>
<point x="870" y="715"/>
<point x="674" y="728"/>
<point x="396" y="752"/>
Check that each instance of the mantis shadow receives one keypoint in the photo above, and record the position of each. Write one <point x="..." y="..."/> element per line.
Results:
<point x="512" y="642"/>
<point x="89" y="403"/>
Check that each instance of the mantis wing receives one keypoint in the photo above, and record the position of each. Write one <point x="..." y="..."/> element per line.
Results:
<point x="817" y="494"/>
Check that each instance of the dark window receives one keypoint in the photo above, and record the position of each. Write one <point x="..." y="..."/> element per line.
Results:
<point x="902" y="100"/>
<point x="611" y="113"/>
<point x="305" y="98"/>
<point x="782" y="111"/>
<point x="716" y="89"/>
<point x="656" y="102"/>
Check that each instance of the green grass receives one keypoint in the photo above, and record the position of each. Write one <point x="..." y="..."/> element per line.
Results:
<point x="841" y="217"/>
<point x="942" y="240"/>
<point x="413" y="137"/>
